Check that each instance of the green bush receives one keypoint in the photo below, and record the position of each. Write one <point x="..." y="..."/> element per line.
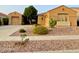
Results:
<point x="22" y="31"/>
<point x="5" y="21"/>
<point x="40" y="30"/>
<point x="36" y="25"/>
<point x="52" y="23"/>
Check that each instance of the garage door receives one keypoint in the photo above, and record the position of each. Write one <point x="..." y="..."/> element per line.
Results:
<point x="15" y="21"/>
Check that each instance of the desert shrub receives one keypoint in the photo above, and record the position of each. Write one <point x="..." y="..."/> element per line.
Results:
<point x="5" y="21"/>
<point x="22" y="31"/>
<point x="40" y="30"/>
<point x="52" y="22"/>
<point x="36" y="25"/>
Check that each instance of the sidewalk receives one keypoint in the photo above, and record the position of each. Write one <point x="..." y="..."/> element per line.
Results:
<point x="18" y="38"/>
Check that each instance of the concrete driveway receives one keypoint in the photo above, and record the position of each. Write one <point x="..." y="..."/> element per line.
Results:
<point x="8" y="30"/>
<point x="5" y="31"/>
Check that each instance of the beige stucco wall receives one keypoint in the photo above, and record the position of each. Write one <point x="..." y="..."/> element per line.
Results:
<point x="40" y="19"/>
<point x="72" y="15"/>
<point x="13" y="20"/>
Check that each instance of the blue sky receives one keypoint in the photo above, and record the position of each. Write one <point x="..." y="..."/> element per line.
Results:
<point x="20" y="8"/>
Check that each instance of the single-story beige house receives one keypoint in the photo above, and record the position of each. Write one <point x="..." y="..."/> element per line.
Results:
<point x="64" y="15"/>
<point x="15" y="18"/>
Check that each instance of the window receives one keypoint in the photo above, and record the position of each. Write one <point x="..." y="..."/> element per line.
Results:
<point x="63" y="16"/>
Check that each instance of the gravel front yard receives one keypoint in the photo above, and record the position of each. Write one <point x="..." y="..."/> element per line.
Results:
<point x="39" y="45"/>
<point x="54" y="31"/>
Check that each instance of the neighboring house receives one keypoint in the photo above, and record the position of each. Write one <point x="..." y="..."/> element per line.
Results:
<point x="2" y="15"/>
<point x="15" y="18"/>
<point x="65" y="16"/>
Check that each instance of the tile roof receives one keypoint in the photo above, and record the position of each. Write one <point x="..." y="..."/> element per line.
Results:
<point x="41" y="14"/>
<point x="2" y="14"/>
<point x="76" y="9"/>
<point x="72" y="8"/>
<point x="14" y="12"/>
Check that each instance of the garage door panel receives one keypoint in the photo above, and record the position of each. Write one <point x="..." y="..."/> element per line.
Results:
<point x="15" y="21"/>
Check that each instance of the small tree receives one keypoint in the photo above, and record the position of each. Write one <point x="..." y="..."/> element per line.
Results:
<point x="52" y="23"/>
<point x="31" y="13"/>
<point x="23" y="35"/>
